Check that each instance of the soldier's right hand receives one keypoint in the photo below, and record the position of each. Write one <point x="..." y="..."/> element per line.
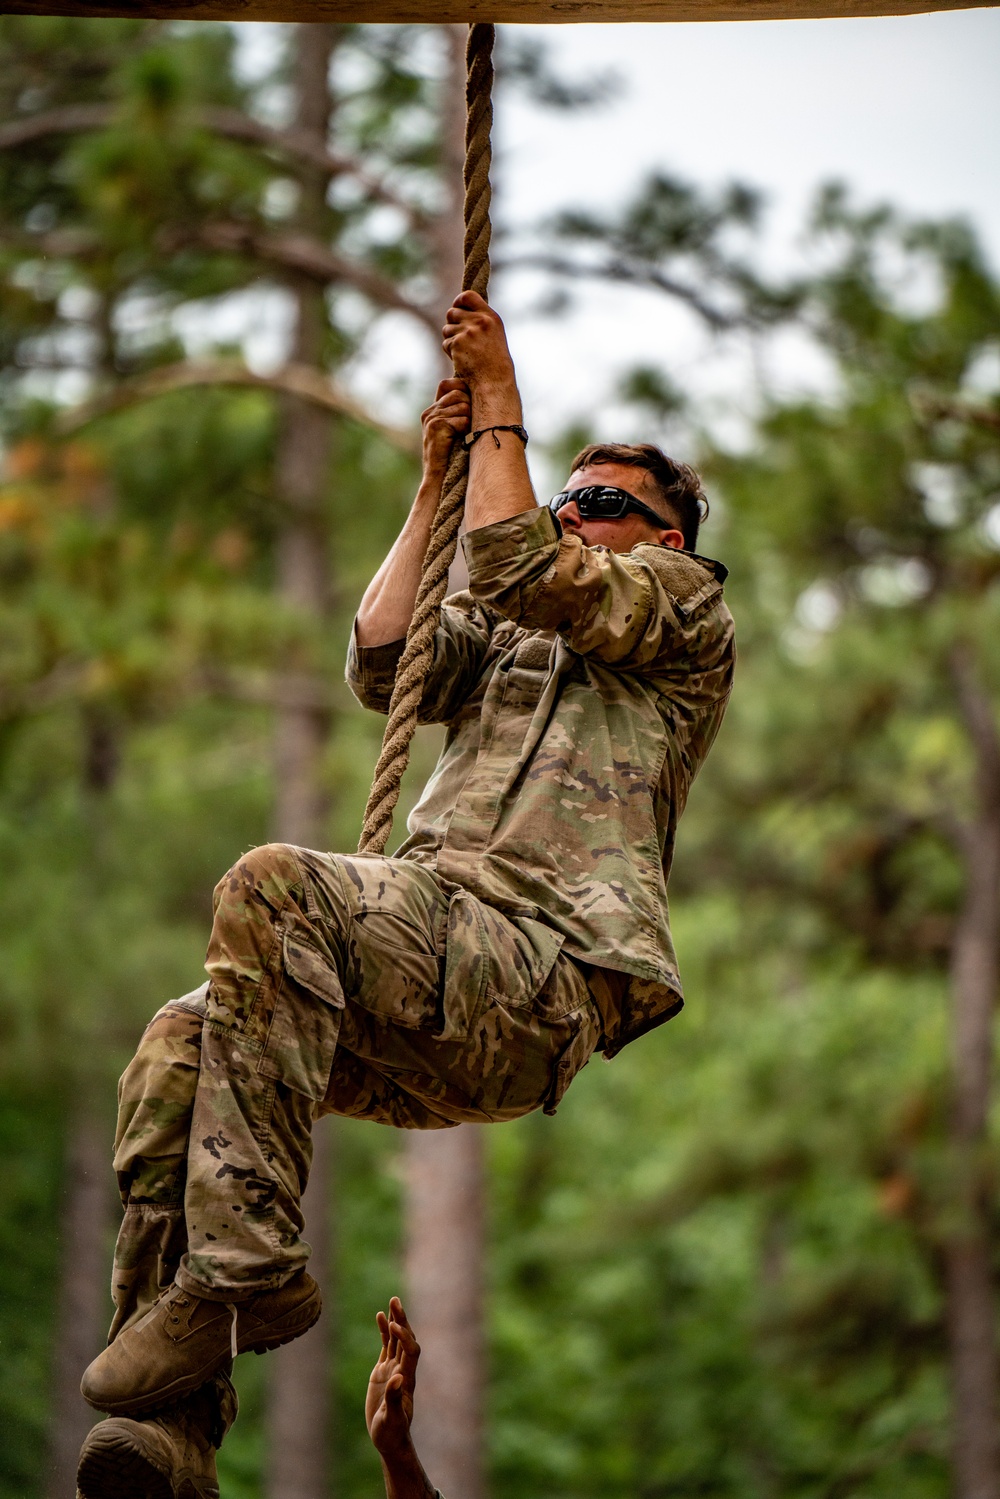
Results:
<point x="447" y="418"/>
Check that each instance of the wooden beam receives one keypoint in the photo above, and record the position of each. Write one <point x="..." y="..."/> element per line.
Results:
<point x="482" y="10"/>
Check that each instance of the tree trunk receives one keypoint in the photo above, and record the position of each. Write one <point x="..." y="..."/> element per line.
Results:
<point x="304" y="450"/>
<point x="444" y="1169"/>
<point x="975" y="969"/>
<point x="84" y="1304"/>
<point x="84" y="1299"/>
<point x="298" y="1417"/>
<point x="299" y="1410"/>
<point x="444" y="1280"/>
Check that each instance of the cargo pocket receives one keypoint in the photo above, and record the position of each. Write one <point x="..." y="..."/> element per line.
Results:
<point x="302" y="1038"/>
<point x="493" y="960"/>
<point x="571" y="1061"/>
<point x="537" y="979"/>
<point x="398" y="978"/>
<point x="396" y="942"/>
<point x="466" y="967"/>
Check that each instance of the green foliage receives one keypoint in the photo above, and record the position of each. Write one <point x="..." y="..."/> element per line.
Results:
<point x="31" y="1125"/>
<point x="675" y="238"/>
<point x="710" y="1235"/>
<point x="716" y="1272"/>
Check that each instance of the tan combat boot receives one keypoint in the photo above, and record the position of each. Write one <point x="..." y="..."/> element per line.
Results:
<point x="168" y="1456"/>
<point x="184" y="1339"/>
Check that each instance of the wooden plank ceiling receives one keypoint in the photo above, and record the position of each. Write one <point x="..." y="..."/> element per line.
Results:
<point x="482" y="10"/>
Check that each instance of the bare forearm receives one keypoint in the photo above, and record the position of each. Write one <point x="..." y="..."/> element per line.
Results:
<point x="499" y="483"/>
<point x="404" y="1475"/>
<point x="387" y="607"/>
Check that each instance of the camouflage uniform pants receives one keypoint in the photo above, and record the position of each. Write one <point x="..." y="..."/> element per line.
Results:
<point x="360" y="986"/>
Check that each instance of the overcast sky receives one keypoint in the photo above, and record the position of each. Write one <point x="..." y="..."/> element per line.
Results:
<point x="905" y="109"/>
<point x="901" y="108"/>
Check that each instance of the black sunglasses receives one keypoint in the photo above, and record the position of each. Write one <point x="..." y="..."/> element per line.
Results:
<point x="605" y="502"/>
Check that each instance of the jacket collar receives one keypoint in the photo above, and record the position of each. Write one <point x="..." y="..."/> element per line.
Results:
<point x="719" y="570"/>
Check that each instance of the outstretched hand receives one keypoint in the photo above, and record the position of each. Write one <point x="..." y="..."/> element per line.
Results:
<point x="389" y="1403"/>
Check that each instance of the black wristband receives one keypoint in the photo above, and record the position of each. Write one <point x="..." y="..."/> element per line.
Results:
<point x="517" y="429"/>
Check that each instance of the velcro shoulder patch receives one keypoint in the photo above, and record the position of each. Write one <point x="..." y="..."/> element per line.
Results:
<point x="535" y="652"/>
<point x="689" y="583"/>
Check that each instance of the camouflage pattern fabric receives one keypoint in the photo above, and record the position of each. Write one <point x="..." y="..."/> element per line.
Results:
<point x="523" y="925"/>
<point x="363" y="986"/>
<point x="155" y="1099"/>
<point x="582" y="690"/>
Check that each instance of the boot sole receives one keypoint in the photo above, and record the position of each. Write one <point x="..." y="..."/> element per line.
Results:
<point x="115" y="1467"/>
<point x="286" y="1329"/>
<point x="279" y="1332"/>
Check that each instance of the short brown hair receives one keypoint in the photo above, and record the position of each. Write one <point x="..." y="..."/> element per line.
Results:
<point x="675" y="485"/>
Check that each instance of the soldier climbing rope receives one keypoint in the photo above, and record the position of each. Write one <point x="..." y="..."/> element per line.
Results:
<point x="522" y="926"/>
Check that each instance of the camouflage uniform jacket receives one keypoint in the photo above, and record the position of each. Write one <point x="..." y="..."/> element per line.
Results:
<point x="581" y="690"/>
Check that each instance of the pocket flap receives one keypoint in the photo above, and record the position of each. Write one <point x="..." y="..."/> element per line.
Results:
<point x="315" y="973"/>
<point x="490" y="957"/>
<point x="466" y="968"/>
<point x="573" y="1060"/>
<point x="539" y="945"/>
<point x="302" y="1038"/>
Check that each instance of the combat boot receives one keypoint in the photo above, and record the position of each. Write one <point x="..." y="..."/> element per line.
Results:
<point x="167" y="1456"/>
<point x="184" y="1340"/>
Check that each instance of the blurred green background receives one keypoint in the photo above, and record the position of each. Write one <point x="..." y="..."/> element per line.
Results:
<point x="722" y="1269"/>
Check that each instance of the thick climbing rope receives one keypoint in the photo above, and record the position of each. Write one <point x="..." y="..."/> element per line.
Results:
<point x="415" y="662"/>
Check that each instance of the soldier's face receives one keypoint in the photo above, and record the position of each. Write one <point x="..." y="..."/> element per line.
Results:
<point x="617" y="535"/>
